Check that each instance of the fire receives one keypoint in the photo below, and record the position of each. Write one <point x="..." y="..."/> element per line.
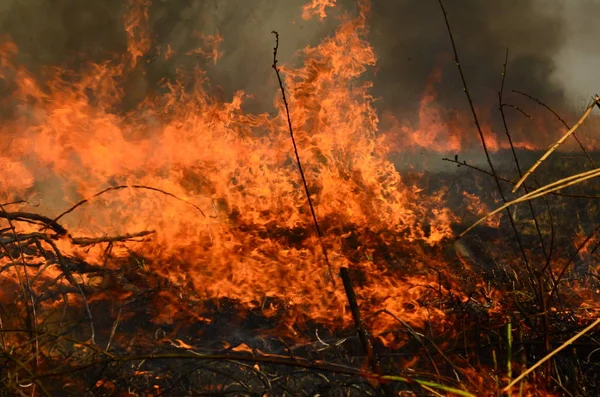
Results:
<point x="136" y="26"/>
<point x="227" y="204"/>
<point x="478" y="209"/>
<point x="254" y="237"/>
<point x="317" y="8"/>
<point x="448" y="130"/>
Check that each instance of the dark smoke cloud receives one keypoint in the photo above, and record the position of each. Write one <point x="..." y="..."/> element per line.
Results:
<point x="50" y="32"/>
<point x="412" y="39"/>
<point x="409" y="36"/>
<point x="247" y="48"/>
<point x="73" y="32"/>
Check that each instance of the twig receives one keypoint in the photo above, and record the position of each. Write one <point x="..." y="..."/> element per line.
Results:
<point x="559" y="119"/>
<point x="466" y="90"/>
<point x="27" y="216"/>
<point x="80" y="203"/>
<point x="301" y="363"/>
<point x="550" y="355"/>
<point x="484" y="145"/>
<point x="109" y="239"/>
<point x="18" y="202"/>
<point x="419" y="338"/>
<point x="30" y="304"/>
<point x="298" y="162"/>
<point x="557" y="144"/>
<point x="518" y="109"/>
<point x="503" y="179"/>
<point x="514" y="153"/>
<point x="544" y="190"/>
<point x="540" y="282"/>
<point x="23" y="366"/>
<point x="509" y="340"/>
<point x="363" y="334"/>
<point x="61" y="260"/>
<point x="545" y="106"/>
<point x="113" y="330"/>
<point x="568" y="264"/>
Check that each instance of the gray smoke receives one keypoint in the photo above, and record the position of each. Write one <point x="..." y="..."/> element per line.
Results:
<point x="412" y="38"/>
<point x="578" y="60"/>
<point x="70" y="33"/>
<point x="551" y="43"/>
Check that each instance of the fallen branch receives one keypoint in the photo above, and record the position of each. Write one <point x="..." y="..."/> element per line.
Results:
<point x="110" y="239"/>
<point x="112" y="188"/>
<point x="34" y="218"/>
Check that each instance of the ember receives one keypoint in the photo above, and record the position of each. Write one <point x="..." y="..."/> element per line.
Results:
<point x="169" y="241"/>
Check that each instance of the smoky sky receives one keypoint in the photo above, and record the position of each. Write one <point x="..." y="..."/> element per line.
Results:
<point x="412" y="38"/>
<point x="409" y="37"/>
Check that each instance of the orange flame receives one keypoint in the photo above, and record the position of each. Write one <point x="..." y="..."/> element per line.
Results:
<point x="316" y="8"/>
<point x="136" y="26"/>
<point x="67" y="141"/>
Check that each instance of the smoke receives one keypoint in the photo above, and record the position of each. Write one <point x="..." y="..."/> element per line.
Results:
<point x="578" y="61"/>
<point x="551" y="49"/>
<point x="70" y="33"/>
<point x="55" y="32"/>
<point x="550" y="42"/>
<point x="412" y="39"/>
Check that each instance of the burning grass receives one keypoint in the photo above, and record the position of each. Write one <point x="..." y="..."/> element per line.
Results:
<point x="196" y="270"/>
<point x="116" y="324"/>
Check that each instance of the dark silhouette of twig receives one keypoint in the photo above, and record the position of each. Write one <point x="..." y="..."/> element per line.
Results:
<point x="517" y="108"/>
<point x="567" y="126"/>
<point x="541" y="284"/>
<point x="19" y="202"/>
<point x="28" y="295"/>
<point x="484" y="145"/>
<point x="110" y="239"/>
<point x="566" y="266"/>
<point x="503" y="179"/>
<point x="363" y="334"/>
<point x="420" y="338"/>
<point x="316" y="365"/>
<point x="80" y="203"/>
<point x="34" y="218"/>
<point x="298" y="162"/>
<point x="516" y="159"/>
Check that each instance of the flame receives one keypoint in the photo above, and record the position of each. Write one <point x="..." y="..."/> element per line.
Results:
<point x="316" y="8"/>
<point x="235" y="223"/>
<point x="212" y="42"/>
<point x="477" y="208"/>
<point x="137" y="28"/>
<point x="450" y="130"/>
<point x="254" y="236"/>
